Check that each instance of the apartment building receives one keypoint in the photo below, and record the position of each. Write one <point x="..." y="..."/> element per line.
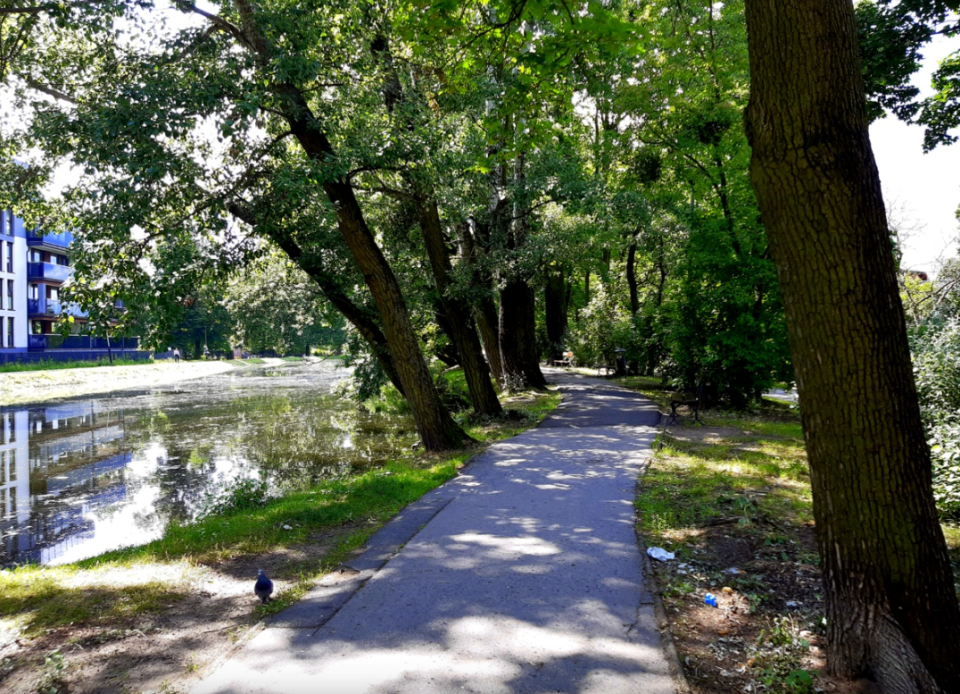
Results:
<point x="33" y="267"/>
<point x="13" y="285"/>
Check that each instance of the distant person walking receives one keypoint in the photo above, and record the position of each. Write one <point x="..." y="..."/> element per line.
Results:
<point x="176" y="354"/>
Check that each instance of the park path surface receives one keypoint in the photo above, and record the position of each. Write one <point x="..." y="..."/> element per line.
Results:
<point x="521" y="575"/>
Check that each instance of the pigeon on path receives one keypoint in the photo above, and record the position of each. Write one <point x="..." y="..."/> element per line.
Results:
<point x="263" y="587"/>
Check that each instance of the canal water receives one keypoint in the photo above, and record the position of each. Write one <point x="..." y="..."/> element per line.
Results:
<point x="86" y="476"/>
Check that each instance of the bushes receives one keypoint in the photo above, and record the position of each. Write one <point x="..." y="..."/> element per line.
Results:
<point x="935" y="344"/>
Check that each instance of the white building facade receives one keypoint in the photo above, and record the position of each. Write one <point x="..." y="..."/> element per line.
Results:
<point x="14" y="317"/>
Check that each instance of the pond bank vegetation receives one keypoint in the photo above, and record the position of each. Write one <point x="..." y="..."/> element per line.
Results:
<point x="152" y="617"/>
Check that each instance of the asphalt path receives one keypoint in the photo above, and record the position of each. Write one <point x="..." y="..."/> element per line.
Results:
<point x="523" y="574"/>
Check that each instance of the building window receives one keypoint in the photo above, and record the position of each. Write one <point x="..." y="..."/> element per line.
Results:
<point x="10" y="222"/>
<point x="34" y="291"/>
<point x="10" y="295"/>
<point x="10" y="332"/>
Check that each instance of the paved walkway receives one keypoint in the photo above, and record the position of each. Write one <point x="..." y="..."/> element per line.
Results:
<point x="521" y="575"/>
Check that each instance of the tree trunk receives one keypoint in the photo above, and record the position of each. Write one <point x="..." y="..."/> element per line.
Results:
<point x="458" y="318"/>
<point x="555" y="307"/>
<point x="888" y="586"/>
<point x="632" y="278"/>
<point x="361" y="319"/>
<point x="437" y="429"/>
<point x="486" y="309"/>
<point x="518" y="336"/>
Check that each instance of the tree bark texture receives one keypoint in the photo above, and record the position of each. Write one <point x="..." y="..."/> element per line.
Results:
<point x="360" y="318"/>
<point x="458" y="316"/>
<point x="891" y="609"/>
<point x="555" y="309"/>
<point x="518" y="336"/>
<point x="485" y="312"/>
<point x="436" y="427"/>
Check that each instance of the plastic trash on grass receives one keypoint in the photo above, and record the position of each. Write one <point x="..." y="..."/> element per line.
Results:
<point x="710" y="599"/>
<point x="660" y="554"/>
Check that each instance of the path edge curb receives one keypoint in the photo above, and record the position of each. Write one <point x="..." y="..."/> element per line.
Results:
<point x="680" y="681"/>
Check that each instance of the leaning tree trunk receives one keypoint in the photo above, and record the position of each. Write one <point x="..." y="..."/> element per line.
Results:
<point x="458" y="316"/>
<point x="361" y="319"/>
<point x="436" y="427"/>
<point x="888" y="586"/>
<point x="486" y="309"/>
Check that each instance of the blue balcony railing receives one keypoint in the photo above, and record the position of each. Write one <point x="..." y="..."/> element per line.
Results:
<point x="38" y="343"/>
<point x="52" y="307"/>
<point x="61" y="240"/>
<point x="48" y="271"/>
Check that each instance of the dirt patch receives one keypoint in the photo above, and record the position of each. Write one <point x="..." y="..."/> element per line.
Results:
<point x="734" y="504"/>
<point x="766" y="628"/>
<point x="207" y="613"/>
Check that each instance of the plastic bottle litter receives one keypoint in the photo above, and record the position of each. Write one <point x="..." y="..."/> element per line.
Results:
<point x="660" y="554"/>
<point x="733" y="570"/>
<point x="710" y="599"/>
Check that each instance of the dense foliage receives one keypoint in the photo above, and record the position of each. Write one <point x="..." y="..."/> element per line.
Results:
<point x="588" y="171"/>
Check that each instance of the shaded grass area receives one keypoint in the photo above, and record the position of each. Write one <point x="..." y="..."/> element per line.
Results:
<point x="735" y="495"/>
<point x="296" y="538"/>
<point x="51" y="365"/>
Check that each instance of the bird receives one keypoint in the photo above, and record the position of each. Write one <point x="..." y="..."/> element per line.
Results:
<point x="263" y="588"/>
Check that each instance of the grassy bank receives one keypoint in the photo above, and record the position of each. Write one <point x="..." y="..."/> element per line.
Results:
<point x="150" y="618"/>
<point x="732" y="500"/>
<point x="35" y="386"/>
<point x="51" y="365"/>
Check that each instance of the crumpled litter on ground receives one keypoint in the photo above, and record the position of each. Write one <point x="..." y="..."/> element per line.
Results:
<point x="660" y="554"/>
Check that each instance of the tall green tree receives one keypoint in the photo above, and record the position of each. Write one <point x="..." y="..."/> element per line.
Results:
<point x="888" y="586"/>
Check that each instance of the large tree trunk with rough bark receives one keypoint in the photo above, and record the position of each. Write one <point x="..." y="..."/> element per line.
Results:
<point x="436" y="427"/>
<point x="555" y="309"/>
<point x="485" y="311"/>
<point x="889" y="590"/>
<point x="518" y="336"/>
<point x="360" y="318"/>
<point x="458" y="316"/>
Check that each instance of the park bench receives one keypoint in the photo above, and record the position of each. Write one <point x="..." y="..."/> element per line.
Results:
<point x="693" y="404"/>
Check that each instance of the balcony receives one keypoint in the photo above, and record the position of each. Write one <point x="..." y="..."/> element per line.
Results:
<point x="51" y="307"/>
<point x="55" y="242"/>
<point x="48" y="271"/>
<point x="38" y="343"/>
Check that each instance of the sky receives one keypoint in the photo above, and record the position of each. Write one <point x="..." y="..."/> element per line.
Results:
<point x="922" y="191"/>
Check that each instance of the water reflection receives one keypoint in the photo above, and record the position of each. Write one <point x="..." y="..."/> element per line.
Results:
<point x="84" y="477"/>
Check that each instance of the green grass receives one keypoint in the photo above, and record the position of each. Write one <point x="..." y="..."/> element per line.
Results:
<point x="373" y="496"/>
<point x="252" y="360"/>
<point x="43" y="599"/>
<point x="292" y="358"/>
<point x="345" y="511"/>
<point x="81" y="594"/>
<point x="50" y="365"/>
